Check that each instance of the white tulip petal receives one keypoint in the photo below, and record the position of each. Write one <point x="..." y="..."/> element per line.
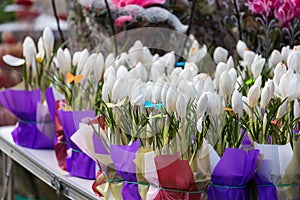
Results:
<point x="12" y="60"/>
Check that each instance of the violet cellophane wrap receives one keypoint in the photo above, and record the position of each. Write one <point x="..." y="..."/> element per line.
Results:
<point x="232" y="174"/>
<point x="263" y="180"/>
<point x="23" y="104"/>
<point x="60" y="146"/>
<point x="175" y="174"/>
<point x="78" y="163"/>
<point x="123" y="157"/>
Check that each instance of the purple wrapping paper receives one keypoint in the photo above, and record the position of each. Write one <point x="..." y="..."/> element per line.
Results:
<point x="123" y="157"/>
<point x="23" y="104"/>
<point x="263" y="177"/>
<point x="78" y="163"/>
<point x="231" y="175"/>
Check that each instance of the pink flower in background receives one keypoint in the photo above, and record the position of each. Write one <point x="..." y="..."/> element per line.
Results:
<point x="143" y="3"/>
<point x="121" y="20"/>
<point x="260" y="7"/>
<point x="286" y="12"/>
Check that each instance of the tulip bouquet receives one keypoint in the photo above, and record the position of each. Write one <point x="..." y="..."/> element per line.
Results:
<point x="34" y="129"/>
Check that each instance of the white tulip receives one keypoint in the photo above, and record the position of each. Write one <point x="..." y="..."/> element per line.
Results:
<point x="282" y="110"/>
<point x="192" y="67"/>
<point x="99" y="67"/>
<point x="41" y="52"/>
<point x="171" y="98"/>
<point x="233" y="75"/>
<point x="141" y="72"/>
<point x="181" y="105"/>
<point x="288" y="81"/>
<point x="156" y="93"/>
<point x="170" y="60"/>
<point x="147" y="59"/>
<point x="199" y="89"/>
<point x="280" y="69"/>
<point x="12" y="60"/>
<point x="80" y="60"/>
<point x="29" y="51"/>
<point x="122" y="71"/>
<point x="109" y="61"/>
<point x="209" y="85"/>
<point x="137" y="95"/>
<point x="164" y="93"/>
<point x="237" y="103"/>
<point x="63" y="60"/>
<point x="241" y="47"/>
<point x="135" y="54"/>
<point x="188" y="89"/>
<point x="257" y="65"/>
<point x="120" y="90"/>
<point x="253" y="95"/>
<point x="215" y="106"/>
<point x="248" y="59"/>
<point x="265" y="97"/>
<point x="157" y="70"/>
<point x="196" y="53"/>
<point x="258" y="81"/>
<point x="285" y="51"/>
<point x="89" y="65"/>
<point x="293" y="61"/>
<point x="230" y="62"/>
<point x="220" y="55"/>
<point x="221" y="67"/>
<point x="186" y="74"/>
<point x="296" y="109"/>
<point x="275" y="58"/>
<point x="105" y="93"/>
<point x="225" y="85"/>
<point x="48" y="41"/>
<point x="149" y="89"/>
<point x="271" y="86"/>
<point x="202" y="105"/>
<point x="110" y="80"/>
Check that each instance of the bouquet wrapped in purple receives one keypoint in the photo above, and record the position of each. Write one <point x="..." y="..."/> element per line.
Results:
<point x="35" y="128"/>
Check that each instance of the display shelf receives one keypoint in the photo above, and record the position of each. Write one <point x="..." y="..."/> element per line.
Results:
<point x="43" y="164"/>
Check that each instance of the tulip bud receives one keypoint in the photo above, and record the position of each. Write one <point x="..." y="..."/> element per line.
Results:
<point x="181" y="105"/>
<point x="120" y="90"/>
<point x="99" y="67"/>
<point x="122" y="71"/>
<point x="137" y="96"/>
<point x="282" y="110"/>
<point x="202" y="105"/>
<point x="237" y="103"/>
<point x="293" y="61"/>
<point x="29" y="51"/>
<point x="253" y="95"/>
<point x="265" y="97"/>
<point x="48" y="41"/>
<point x="171" y="98"/>
<point x="220" y="55"/>
<point x="225" y="85"/>
<point x="257" y="65"/>
<point x="241" y="47"/>
<point x="275" y="58"/>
